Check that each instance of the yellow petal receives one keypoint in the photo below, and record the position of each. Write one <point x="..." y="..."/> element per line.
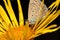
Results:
<point x="11" y="13"/>
<point x="21" y="19"/>
<point x="4" y="16"/>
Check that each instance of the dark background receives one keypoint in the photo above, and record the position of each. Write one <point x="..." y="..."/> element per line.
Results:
<point x="49" y="36"/>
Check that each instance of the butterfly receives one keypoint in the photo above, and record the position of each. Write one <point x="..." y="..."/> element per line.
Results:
<point x="36" y="11"/>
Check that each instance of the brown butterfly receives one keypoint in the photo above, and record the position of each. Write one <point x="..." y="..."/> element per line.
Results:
<point x="36" y="11"/>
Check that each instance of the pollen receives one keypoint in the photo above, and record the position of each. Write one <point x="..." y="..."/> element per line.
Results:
<point x="18" y="33"/>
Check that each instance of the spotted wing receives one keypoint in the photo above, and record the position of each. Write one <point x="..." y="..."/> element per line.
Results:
<point x="36" y="10"/>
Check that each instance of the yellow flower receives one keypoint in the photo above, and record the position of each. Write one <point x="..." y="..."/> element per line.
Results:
<point x="11" y="30"/>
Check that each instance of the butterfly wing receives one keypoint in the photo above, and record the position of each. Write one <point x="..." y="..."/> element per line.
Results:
<point x="36" y="10"/>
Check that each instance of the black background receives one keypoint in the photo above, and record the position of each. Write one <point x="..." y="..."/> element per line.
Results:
<point x="49" y="36"/>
